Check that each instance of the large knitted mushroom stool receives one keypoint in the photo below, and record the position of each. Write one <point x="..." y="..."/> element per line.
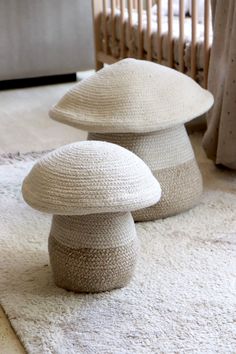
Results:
<point x="90" y="188"/>
<point x="143" y="106"/>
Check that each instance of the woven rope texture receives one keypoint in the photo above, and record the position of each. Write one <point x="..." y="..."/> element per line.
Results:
<point x="90" y="177"/>
<point x="132" y="96"/>
<point x="170" y="156"/>
<point x="81" y="266"/>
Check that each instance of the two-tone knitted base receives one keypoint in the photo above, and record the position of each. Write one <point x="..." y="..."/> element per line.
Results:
<point x="170" y="156"/>
<point x="93" y="253"/>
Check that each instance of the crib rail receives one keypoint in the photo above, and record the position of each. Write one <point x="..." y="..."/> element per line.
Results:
<point x="151" y="30"/>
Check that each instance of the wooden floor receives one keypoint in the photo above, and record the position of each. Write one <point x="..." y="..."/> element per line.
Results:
<point x="26" y="127"/>
<point x="9" y="343"/>
<point x="24" y="122"/>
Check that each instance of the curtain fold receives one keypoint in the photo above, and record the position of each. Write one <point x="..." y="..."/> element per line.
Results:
<point x="219" y="140"/>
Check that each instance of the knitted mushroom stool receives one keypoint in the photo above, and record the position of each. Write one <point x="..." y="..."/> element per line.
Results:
<point x="143" y="106"/>
<point x="90" y="188"/>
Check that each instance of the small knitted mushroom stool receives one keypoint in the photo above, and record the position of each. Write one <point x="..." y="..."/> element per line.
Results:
<point x="143" y="106"/>
<point x="90" y="188"/>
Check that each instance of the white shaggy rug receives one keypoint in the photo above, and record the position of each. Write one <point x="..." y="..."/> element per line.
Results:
<point x="182" y="299"/>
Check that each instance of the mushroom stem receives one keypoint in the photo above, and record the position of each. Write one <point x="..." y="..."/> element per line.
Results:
<point x="170" y="156"/>
<point x="93" y="253"/>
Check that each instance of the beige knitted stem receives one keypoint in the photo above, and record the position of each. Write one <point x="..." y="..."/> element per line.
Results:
<point x="93" y="253"/>
<point x="181" y="190"/>
<point x="170" y="156"/>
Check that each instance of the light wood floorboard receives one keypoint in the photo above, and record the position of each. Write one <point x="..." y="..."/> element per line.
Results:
<point x="24" y="122"/>
<point x="9" y="342"/>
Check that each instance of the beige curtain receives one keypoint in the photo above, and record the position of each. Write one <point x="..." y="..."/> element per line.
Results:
<point x="219" y="140"/>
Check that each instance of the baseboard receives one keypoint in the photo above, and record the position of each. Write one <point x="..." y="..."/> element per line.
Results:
<point x="37" y="81"/>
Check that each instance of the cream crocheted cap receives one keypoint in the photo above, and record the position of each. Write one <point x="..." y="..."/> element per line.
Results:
<point x="90" y="177"/>
<point x="132" y="96"/>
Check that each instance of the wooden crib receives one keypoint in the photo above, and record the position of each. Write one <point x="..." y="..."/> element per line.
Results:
<point x="175" y="33"/>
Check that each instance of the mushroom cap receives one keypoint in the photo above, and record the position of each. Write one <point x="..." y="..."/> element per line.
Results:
<point x="90" y="177"/>
<point x="132" y="96"/>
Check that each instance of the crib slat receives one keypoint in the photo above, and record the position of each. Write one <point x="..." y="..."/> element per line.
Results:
<point x="104" y="6"/>
<point x="206" y="40"/>
<point x="140" y="29"/>
<point x="97" y="17"/>
<point x="130" y="24"/>
<point x="135" y="5"/>
<point x="113" y="36"/>
<point x="122" y="28"/>
<point x="149" y="29"/>
<point x="194" y="39"/>
<point x="170" y="33"/>
<point x="159" y="31"/>
<point x="181" y="35"/>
